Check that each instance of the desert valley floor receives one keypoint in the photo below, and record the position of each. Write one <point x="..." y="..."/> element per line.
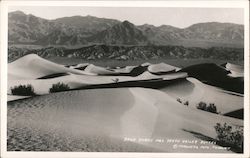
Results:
<point x="114" y="109"/>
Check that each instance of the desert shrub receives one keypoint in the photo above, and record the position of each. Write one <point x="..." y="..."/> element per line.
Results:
<point x="179" y="100"/>
<point x="202" y="106"/>
<point x="186" y="103"/>
<point x="58" y="87"/>
<point x="209" y="108"/>
<point x="24" y="90"/>
<point x="212" y="108"/>
<point x="229" y="136"/>
<point x="182" y="102"/>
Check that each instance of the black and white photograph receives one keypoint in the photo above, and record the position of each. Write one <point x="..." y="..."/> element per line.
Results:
<point x="126" y="79"/>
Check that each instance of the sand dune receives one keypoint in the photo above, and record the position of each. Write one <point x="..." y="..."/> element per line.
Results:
<point x="235" y="70"/>
<point x="161" y="68"/>
<point x="194" y="91"/>
<point x="106" y="113"/>
<point x="126" y="69"/>
<point x="157" y="69"/>
<point x="26" y="70"/>
<point x="32" y="66"/>
<point x="81" y="66"/>
<point x="170" y="76"/>
<point x="42" y="74"/>
<point x="215" y="75"/>
<point x="99" y="70"/>
<point x="101" y="118"/>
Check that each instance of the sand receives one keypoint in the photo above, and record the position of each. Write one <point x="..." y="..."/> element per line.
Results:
<point x="113" y="119"/>
<point x="101" y="116"/>
<point x="16" y="97"/>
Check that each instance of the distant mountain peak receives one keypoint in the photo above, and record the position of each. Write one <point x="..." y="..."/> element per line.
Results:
<point x="167" y="26"/>
<point x="18" y="12"/>
<point x="127" y="23"/>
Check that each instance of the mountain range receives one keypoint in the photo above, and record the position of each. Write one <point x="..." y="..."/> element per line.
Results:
<point x="89" y="30"/>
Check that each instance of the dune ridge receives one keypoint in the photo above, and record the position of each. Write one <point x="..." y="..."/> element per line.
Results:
<point x="42" y="74"/>
<point x="32" y="66"/>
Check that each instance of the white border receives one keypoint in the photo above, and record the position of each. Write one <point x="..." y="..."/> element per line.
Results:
<point x="103" y="3"/>
<point x="191" y="4"/>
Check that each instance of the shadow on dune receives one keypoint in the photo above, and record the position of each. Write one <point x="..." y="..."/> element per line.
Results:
<point x="133" y="73"/>
<point x="215" y="75"/>
<point x="153" y="83"/>
<point x="163" y="73"/>
<point x="236" y="114"/>
<point x="53" y="76"/>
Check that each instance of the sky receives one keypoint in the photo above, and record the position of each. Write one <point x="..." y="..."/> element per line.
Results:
<point x="178" y="17"/>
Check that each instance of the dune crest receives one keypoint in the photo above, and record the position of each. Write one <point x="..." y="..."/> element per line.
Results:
<point x="32" y="66"/>
<point x="162" y="68"/>
<point x="98" y="70"/>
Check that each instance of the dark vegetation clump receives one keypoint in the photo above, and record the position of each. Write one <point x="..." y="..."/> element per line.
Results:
<point x="182" y="102"/>
<point x="179" y="100"/>
<point x="186" y="103"/>
<point x="59" y="87"/>
<point x="23" y="90"/>
<point x="209" y="108"/>
<point x="230" y="137"/>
